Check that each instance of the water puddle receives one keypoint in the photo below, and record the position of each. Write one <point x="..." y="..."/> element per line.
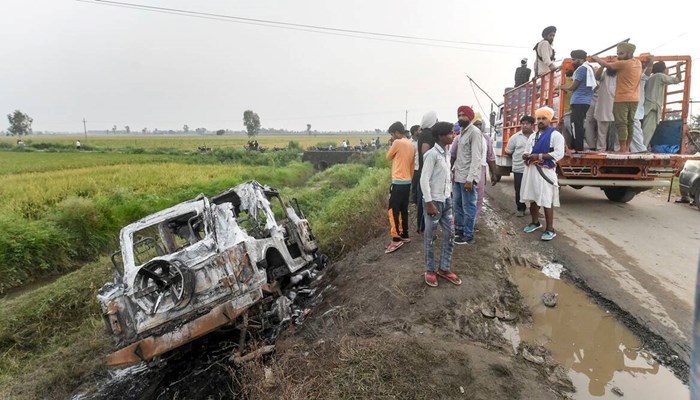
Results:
<point x="599" y="352"/>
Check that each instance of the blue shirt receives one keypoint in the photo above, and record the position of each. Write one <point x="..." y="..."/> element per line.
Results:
<point x="583" y="93"/>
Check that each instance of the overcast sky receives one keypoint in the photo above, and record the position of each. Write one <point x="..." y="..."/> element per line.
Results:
<point x="63" y="60"/>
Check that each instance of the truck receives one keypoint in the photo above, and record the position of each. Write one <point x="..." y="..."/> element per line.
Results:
<point x="620" y="176"/>
<point x="192" y="268"/>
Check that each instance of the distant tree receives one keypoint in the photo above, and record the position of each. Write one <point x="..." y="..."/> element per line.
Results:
<point x="377" y="131"/>
<point x="156" y="130"/>
<point x="201" y="131"/>
<point x="20" y="123"/>
<point x="308" y="129"/>
<point x="220" y="132"/>
<point x="185" y="128"/>
<point x="127" y="128"/>
<point x="144" y="130"/>
<point x="114" y="129"/>
<point x="251" y="121"/>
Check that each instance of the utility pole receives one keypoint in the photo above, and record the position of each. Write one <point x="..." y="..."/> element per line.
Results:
<point x="406" y="124"/>
<point x="85" y="128"/>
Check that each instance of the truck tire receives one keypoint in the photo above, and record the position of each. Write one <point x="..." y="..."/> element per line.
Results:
<point x="697" y="199"/>
<point x="619" y="194"/>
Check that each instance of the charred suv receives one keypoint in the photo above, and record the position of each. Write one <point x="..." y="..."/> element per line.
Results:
<point x="194" y="267"/>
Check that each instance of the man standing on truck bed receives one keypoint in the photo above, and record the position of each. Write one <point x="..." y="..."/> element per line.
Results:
<point x="654" y="97"/>
<point x="401" y="154"/>
<point x="539" y="186"/>
<point x="544" y="60"/>
<point x="522" y="73"/>
<point x="629" y="74"/>
<point x="581" y="96"/>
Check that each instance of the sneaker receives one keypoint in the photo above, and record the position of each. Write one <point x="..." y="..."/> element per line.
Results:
<point x="393" y="247"/>
<point x="532" y="227"/>
<point x="450" y="276"/>
<point x="463" y="240"/>
<point x="431" y="279"/>
<point x="548" y="235"/>
<point x="520" y="213"/>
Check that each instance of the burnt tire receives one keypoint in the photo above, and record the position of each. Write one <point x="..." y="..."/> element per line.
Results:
<point x="619" y="194"/>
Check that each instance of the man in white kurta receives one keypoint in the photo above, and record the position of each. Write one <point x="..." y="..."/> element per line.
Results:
<point x="535" y="188"/>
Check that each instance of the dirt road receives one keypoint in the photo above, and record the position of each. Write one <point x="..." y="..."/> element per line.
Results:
<point x="641" y="255"/>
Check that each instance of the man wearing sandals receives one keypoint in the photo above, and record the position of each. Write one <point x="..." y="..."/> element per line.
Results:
<point x="401" y="155"/>
<point x="539" y="186"/>
<point x="436" y="185"/>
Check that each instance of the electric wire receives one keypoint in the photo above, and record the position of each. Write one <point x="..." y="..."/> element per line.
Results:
<point x="307" y="28"/>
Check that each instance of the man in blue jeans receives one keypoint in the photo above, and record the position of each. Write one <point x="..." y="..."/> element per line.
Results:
<point x="435" y="182"/>
<point x="467" y="173"/>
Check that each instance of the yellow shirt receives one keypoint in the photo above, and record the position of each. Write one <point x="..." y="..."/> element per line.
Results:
<point x="402" y="154"/>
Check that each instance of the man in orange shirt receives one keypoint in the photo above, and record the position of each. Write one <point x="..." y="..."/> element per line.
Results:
<point x="401" y="153"/>
<point x="629" y="74"/>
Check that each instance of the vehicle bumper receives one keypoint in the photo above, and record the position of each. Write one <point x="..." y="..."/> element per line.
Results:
<point x="150" y="347"/>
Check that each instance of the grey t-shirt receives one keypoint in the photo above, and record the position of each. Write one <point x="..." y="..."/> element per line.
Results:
<point x="516" y="148"/>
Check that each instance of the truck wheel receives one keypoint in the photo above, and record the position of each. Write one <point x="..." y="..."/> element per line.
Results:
<point x="619" y="194"/>
<point x="697" y="199"/>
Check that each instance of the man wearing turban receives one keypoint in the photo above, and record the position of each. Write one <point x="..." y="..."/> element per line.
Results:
<point x="539" y="185"/>
<point x="544" y="53"/>
<point x="467" y="175"/>
<point x="581" y="89"/>
<point x="629" y="74"/>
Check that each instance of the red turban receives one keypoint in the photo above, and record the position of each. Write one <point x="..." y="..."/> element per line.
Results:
<point x="466" y="110"/>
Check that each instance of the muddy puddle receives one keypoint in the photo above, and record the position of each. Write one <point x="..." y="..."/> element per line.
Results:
<point x="600" y="354"/>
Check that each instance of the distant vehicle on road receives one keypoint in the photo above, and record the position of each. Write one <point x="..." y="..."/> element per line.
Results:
<point x="689" y="180"/>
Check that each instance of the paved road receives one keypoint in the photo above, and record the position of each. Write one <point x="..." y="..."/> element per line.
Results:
<point x="643" y="255"/>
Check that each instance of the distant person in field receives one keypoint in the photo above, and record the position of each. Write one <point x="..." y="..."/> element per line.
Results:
<point x="426" y="141"/>
<point x="581" y="89"/>
<point x="401" y="153"/>
<point x="539" y="185"/>
<point x="654" y="97"/>
<point x="467" y="175"/>
<point x="488" y="161"/>
<point x="77" y="144"/>
<point x="522" y="73"/>
<point x="544" y="52"/>
<point x="629" y="74"/>
<point x="515" y="149"/>
<point x="435" y="183"/>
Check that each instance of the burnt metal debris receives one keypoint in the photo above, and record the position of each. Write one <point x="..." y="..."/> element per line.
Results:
<point x="207" y="263"/>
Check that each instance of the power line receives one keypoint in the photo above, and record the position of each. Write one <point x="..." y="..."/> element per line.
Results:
<point x="303" y="27"/>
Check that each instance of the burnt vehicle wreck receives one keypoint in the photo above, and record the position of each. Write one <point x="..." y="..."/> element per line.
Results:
<point x="200" y="265"/>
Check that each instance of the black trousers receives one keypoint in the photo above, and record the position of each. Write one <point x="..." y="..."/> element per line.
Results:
<point x="398" y="211"/>
<point x="517" y="181"/>
<point x="578" y="129"/>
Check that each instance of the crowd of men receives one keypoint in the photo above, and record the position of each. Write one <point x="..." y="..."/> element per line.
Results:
<point x="442" y="168"/>
<point x="615" y="107"/>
